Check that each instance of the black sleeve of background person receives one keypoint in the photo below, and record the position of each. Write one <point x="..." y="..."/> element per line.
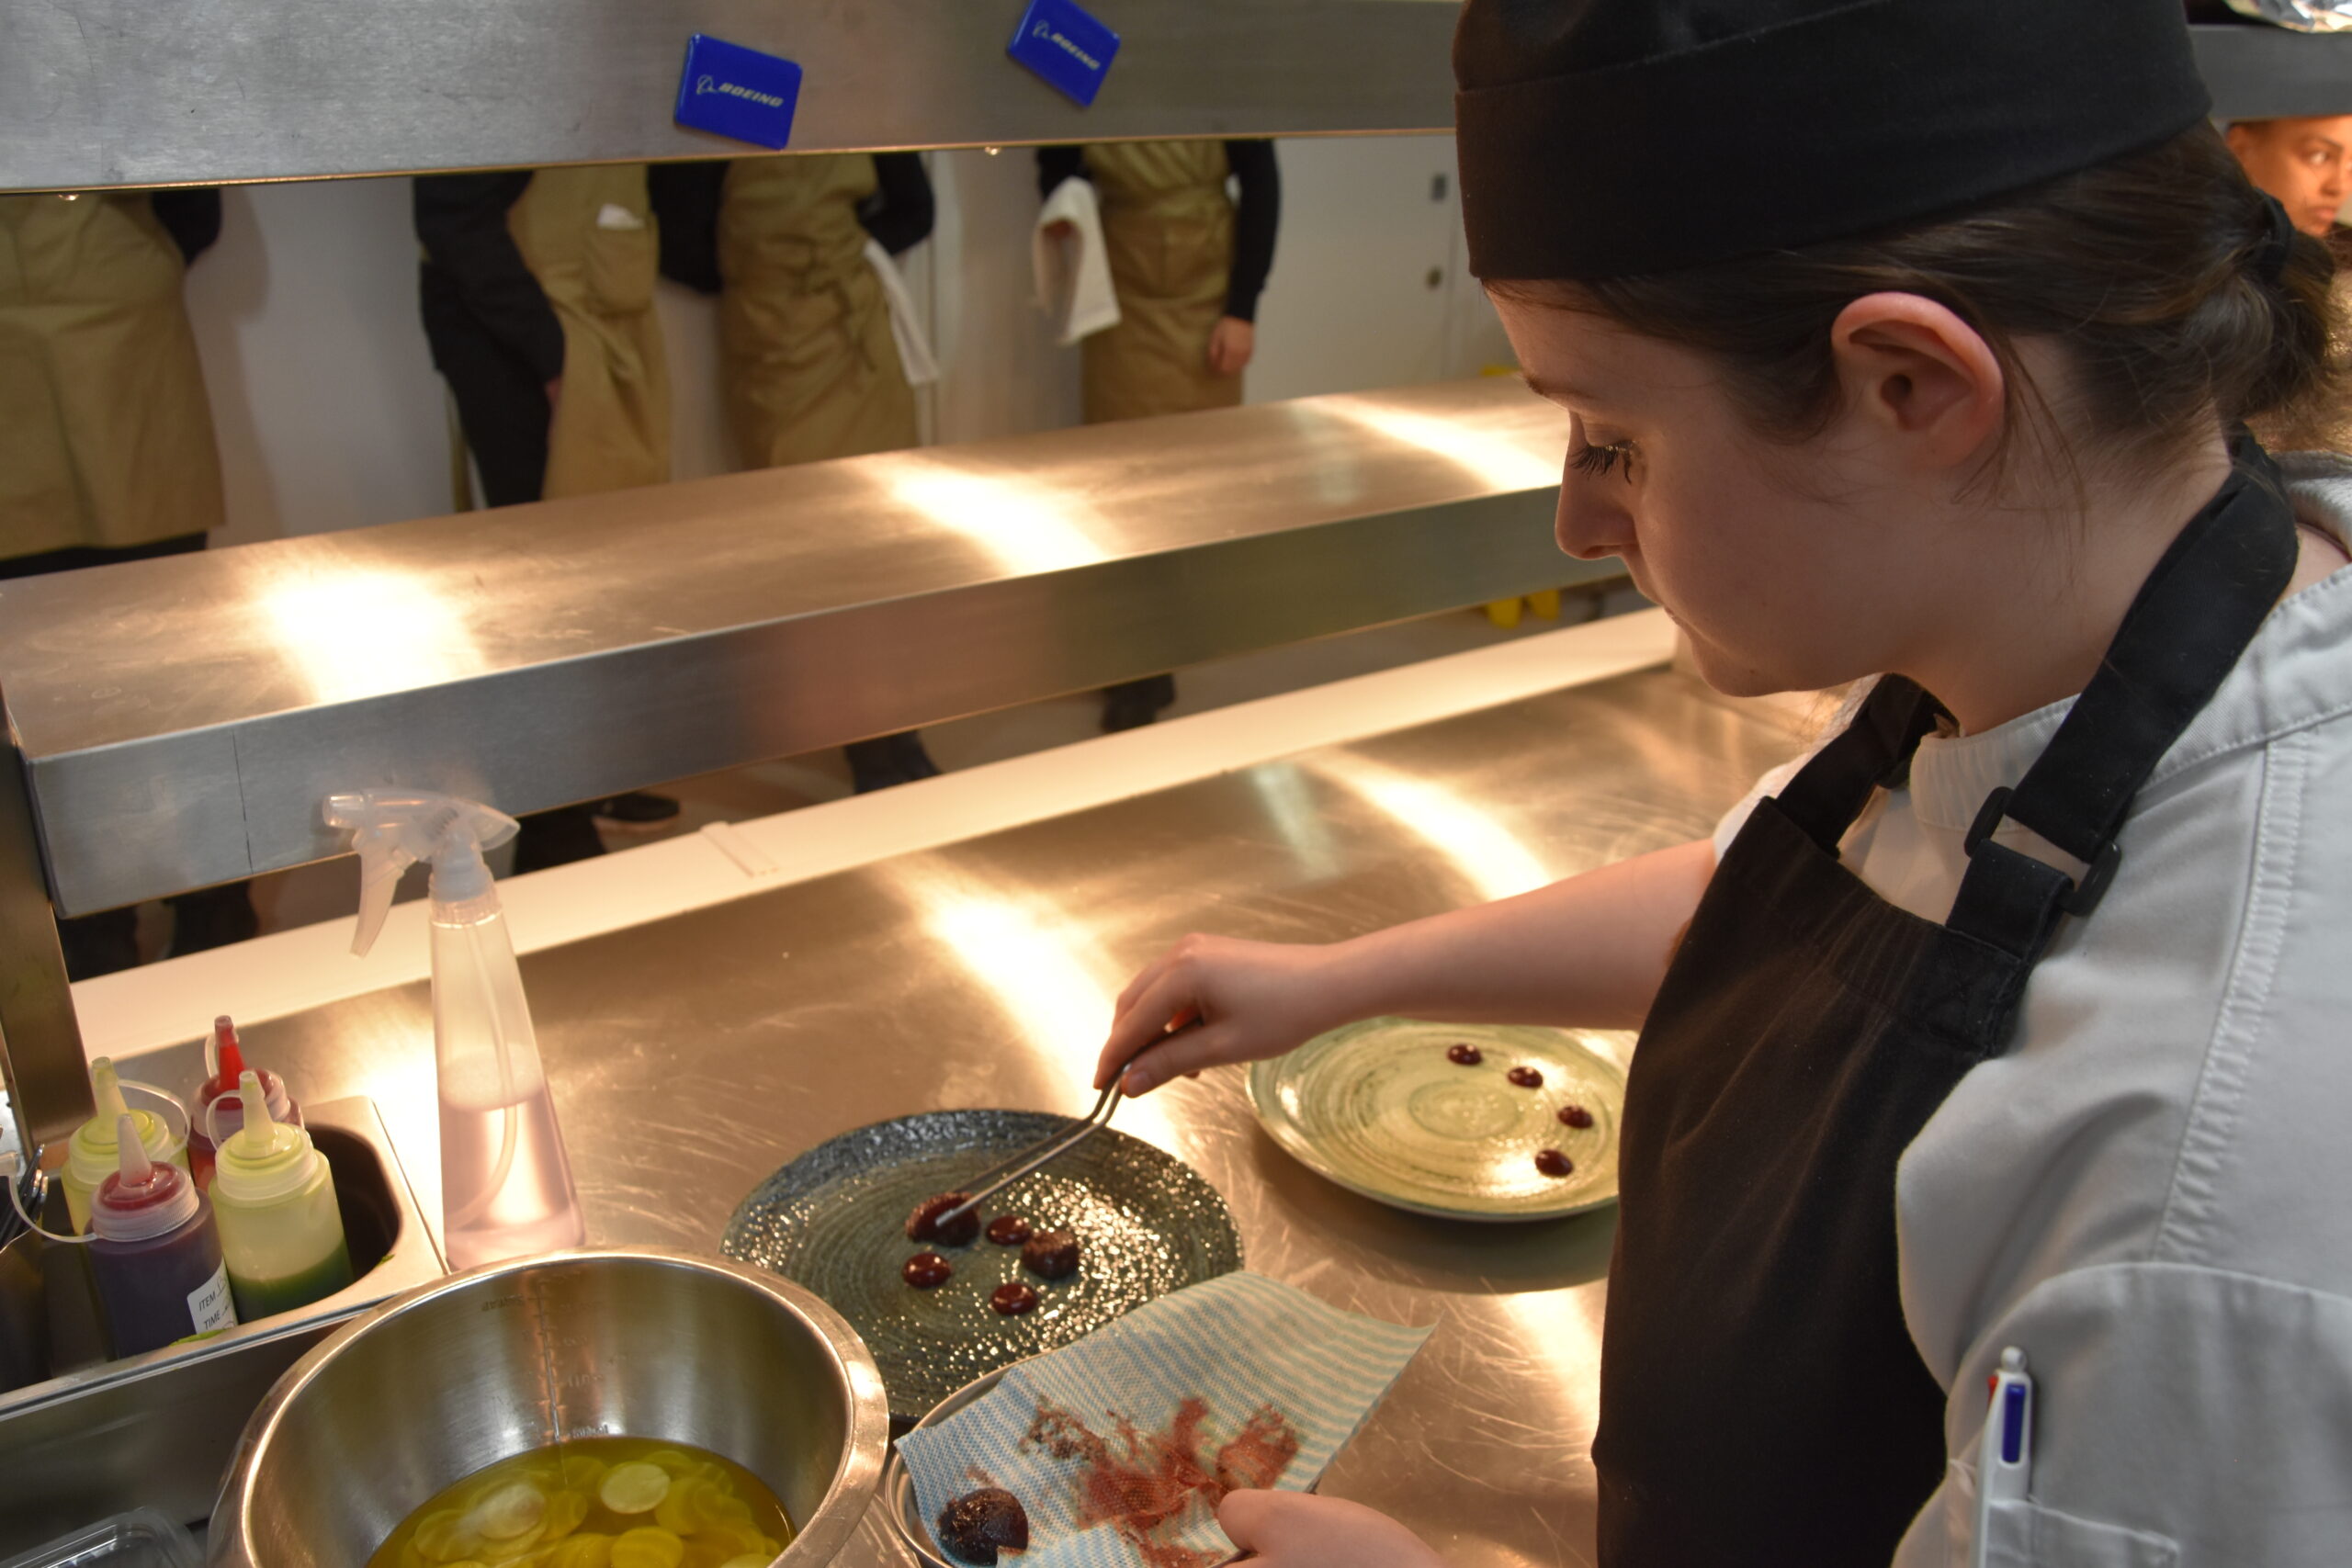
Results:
<point x="900" y="211"/>
<point x="461" y="222"/>
<point x="192" y="218"/>
<point x="1056" y="164"/>
<point x="685" y="199"/>
<point x="501" y="399"/>
<point x="1256" y="216"/>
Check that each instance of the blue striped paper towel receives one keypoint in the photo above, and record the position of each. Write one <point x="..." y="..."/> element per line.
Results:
<point x="1239" y="1343"/>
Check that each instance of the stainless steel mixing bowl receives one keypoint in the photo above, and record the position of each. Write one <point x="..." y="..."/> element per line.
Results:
<point x="622" y="1342"/>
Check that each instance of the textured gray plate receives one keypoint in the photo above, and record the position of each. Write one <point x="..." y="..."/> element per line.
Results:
<point x="834" y="1220"/>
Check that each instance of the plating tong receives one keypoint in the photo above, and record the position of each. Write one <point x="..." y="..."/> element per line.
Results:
<point x="998" y="1178"/>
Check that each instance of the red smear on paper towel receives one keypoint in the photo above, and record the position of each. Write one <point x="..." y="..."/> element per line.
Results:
<point x="1143" y="1481"/>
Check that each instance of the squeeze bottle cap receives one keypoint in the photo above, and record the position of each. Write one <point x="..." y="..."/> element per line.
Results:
<point x="144" y="1198"/>
<point x="265" y="1159"/>
<point x="393" y="830"/>
<point x="92" y="1153"/>
<point x="226" y="1056"/>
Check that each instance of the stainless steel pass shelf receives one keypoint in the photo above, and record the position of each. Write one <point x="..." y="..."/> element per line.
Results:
<point x="100" y="93"/>
<point x="116" y="91"/>
<point x="182" y="721"/>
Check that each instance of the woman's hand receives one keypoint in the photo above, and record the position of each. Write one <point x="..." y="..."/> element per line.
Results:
<point x="1293" y="1529"/>
<point x="1231" y="343"/>
<point x="1245" y="1001"/>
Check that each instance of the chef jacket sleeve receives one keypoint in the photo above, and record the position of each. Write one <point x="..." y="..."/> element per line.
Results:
<point x="2182" y="1415"/>
<point x="461" y="223"/>
<point x="192" y="218"/>
<point x="685" y="198"/>
<point x="1256" y="216"/>
<point x="900" y="212"/>
<point x="1056" y="164"/>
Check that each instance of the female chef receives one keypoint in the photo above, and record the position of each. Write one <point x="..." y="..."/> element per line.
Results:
<point x="1905" y="339"/>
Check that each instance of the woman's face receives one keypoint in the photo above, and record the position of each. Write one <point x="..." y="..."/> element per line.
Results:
<point x="1789" y="567"/>
<point x="2303" y="163"/>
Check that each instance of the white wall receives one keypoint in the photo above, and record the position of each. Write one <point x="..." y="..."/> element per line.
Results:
<point x="329" y="414"/>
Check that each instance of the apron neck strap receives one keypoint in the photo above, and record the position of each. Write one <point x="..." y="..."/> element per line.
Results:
<point x="1873" y="753"/>
<point x="2183" y="633"/>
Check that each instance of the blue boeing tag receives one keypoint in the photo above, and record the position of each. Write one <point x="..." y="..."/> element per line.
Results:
<point x="1069" y="49"/>
<point x="738" y="92"/>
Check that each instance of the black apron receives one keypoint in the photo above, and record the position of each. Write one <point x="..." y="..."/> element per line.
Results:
<point x="1761" y="1400"/>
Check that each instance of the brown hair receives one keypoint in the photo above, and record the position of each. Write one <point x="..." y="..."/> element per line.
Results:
<point x="2146" y="269"/>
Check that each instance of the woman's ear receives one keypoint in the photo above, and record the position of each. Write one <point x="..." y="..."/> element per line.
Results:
<point x="1920" y="376"/>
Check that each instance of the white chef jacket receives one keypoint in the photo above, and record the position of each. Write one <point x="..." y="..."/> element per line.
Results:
<point x="2151" y="1193"/>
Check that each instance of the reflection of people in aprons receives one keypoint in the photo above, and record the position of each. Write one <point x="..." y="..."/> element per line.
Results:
<point x="536" y="290"/>
<point x="105" y="438"/>
<point x="1187" y="264"/>
<point x="810" y="368"/>
<point x="2000" y="1043"/>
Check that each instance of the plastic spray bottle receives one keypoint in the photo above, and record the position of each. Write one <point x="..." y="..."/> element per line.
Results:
<point x="274" y="1197"/>
<point x="505" y="1184"/>
<point x="156" y="1256"/>
<point x="220" y="1109"/>
<point x="158" y="1117"/>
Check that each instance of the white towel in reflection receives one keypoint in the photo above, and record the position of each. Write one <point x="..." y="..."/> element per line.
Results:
<point x="1073" y="270"/>
<point x="906" y="329"/>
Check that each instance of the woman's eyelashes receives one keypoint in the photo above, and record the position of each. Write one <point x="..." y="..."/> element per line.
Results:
<point x="1596" y="458"/>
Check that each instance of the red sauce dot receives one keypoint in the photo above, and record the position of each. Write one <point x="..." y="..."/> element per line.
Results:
<point x="1013" y="1300"/>
<point x="1465" y="1056"/>
<point x="1552" y="1162"/>
<point x="1575" y="1116"/>
<point x="926" y="1271"/>
<point x="1008" y="1229"/>
<point x="1525" y="1078"/>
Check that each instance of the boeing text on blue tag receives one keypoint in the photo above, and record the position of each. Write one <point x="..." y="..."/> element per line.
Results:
<point x="733" y="91"/>
<point x="1069" y="49"/>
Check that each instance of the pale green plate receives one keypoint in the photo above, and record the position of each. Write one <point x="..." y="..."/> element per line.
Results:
<point x="1379" y="1109"/>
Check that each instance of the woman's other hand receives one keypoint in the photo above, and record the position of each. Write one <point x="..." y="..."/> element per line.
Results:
<point x="1293" y="1529"/>
<point x="1243" y="1002"/>
<point x="1231" y="343"/>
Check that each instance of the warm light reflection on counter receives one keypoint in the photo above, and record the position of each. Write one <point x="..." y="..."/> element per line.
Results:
<point x="1489" y="459"/>
<point x="1046" y="973"/>
<point x="360" y="632"/>
<point x="1489" y="855"/>
<point x="1025" y="524"/>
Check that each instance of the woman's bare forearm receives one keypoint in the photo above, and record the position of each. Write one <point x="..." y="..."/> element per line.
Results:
<point x="1589" y="952"/>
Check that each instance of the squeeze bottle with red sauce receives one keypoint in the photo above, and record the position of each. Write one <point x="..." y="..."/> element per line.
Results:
<point x="156" y="1259"/>
<point x="220" y="1110"/>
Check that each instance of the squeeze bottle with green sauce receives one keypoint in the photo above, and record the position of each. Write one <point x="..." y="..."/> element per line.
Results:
<point x="274" y="1197"/>
<point x="92" y="1155"/>
<point x="505" y="1181"/>
<point x="156" y="1259"/>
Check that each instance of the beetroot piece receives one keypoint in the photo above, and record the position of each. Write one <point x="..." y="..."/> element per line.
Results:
<point x="923" y="1224"/>
<point x="1525" y="1078"/>
<point x="1008" y="1229"/>
<point x="1014" y="1298"/>
<point x="1465" y="1056"/>
<point x="1552" y="1162"/>
<point x="979" y="1525"/>
<point x="1575" y="1116"/>
<point x="1051" y="1255"/>
<point x="927" y="1271"/>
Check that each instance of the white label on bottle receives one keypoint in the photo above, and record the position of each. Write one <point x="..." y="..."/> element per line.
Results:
<point x="210" y="1305"/>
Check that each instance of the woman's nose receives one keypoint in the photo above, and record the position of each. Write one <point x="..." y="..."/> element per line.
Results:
<point x="1589" y="527"/>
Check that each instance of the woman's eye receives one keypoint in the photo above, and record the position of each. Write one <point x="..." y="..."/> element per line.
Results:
<point x="1596" y="458"/>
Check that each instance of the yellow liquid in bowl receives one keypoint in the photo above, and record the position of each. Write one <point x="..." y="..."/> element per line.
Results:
<point x="596" y="1503"/>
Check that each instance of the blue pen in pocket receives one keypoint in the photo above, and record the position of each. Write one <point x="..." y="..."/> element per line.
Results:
<point x="2005" y="1453"/>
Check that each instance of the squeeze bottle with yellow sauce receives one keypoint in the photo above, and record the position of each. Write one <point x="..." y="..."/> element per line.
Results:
<point x="92" y="1154"/>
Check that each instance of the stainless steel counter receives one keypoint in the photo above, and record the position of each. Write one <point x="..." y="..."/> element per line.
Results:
<point x="692" y="1057"/>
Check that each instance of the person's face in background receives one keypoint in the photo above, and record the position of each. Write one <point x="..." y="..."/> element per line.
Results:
<point x="2303" y="163"/>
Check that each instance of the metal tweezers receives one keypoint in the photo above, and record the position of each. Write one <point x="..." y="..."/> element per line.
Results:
<point x="1000" y="1177"/>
